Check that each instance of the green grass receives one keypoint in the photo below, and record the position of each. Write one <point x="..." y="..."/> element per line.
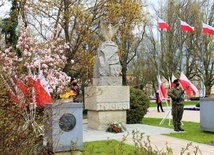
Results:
<point x="154" y="104"/>
<point x="192" y="131"/>
<point x="105" y="147"/>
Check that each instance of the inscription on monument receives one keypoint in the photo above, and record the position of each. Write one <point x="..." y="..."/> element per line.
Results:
<point x="112" y="106"/>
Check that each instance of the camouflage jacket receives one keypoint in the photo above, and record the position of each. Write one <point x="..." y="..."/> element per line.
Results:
<point x="174" y="93"/>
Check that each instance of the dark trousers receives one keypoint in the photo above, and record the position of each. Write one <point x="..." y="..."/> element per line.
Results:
<point x="177" y="114"/>
<point x="159" y="106"/>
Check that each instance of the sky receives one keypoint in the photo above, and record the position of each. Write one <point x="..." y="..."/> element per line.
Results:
<point x="4" y="10"/>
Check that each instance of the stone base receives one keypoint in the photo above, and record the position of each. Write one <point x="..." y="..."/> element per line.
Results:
<point x="62" y="131"/>
<point x="206" y="114"/>
<point x="106" y="104"/>
<point x="107" y="98"/>
<point x="99" y="120"/>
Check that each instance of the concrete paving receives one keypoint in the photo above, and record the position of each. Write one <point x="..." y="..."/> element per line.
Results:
<point x="158" y="141"/>
<point x="189" y="115"/>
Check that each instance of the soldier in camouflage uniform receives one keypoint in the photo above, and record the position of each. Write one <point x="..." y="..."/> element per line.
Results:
<point x="177" y="96"/>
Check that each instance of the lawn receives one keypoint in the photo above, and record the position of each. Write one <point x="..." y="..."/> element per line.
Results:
<point x="105" y="147"/>
<point x="113" y="147"/>
<point x="192" y="131"/>
<point x="109" y="147"/>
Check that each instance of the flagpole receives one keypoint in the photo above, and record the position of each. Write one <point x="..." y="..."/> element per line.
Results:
<point x="181" y="52"/>
<point x="202" y="63"/>
<point x="180" y="42"/>
<point x="158" y="57"/>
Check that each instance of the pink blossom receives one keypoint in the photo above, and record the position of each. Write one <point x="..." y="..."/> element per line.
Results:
<point x="50" y="57"/>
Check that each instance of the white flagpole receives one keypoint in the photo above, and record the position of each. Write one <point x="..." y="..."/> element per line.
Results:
<point x="202" y="63"/>
<point x="180" y="46"/>
<point x="158" y="53"/>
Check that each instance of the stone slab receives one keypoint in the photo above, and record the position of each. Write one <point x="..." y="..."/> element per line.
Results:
<point x="60" y="139"/>
<point x="107" y="98"/>
<point x="206" y="114"/>
<point x="99" y="120"/>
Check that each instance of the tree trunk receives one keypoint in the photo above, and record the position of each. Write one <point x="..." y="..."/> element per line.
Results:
<point x="208" y="90"/>
<point x="124" y="81"/>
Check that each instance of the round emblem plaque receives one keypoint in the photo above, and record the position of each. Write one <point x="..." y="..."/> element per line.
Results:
<point x="67" y="122"/>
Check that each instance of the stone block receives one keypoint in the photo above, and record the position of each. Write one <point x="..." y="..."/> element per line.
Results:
<point x="107" y="98"/>
<point x="99" y="120"/>
<point x="206" y="114"/>
<point x="63" y="126"/>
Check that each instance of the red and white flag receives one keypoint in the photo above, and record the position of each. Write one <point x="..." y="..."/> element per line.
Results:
<point x="163" y="25"/>
<point x="43" y="81"/>
<point x="186" y="27"/>
<point x="19" y="94"/>
<point x="42" y="96"/>
<point x="187" y="86"/>
<point x="22" y="87"/>
<point x="161" y="91"/>
<point x="207" y="29"/>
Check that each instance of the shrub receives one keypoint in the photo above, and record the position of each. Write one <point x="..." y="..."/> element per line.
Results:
<point x="16" y="134"/>
<point x="139" y="104"/>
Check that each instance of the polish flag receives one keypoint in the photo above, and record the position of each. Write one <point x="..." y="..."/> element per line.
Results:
<point x="20" y="93"/>
<point x="42" y="97"/>
<point x="187" y="86"/>
<point x="207" y="29"/>
<point x="163" y="25"/>
<point x="13" y="97"/>
<point x="186" y="27"/>
<point x="43" y="81"/>
<point x="22" y="87"/>
<point x="161" y="90"/>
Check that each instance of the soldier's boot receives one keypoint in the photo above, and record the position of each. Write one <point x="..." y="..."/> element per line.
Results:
<point x="176" y="129"/>
<point x="180" y="129"/>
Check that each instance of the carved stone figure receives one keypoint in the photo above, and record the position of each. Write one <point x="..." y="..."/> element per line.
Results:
<point x="107" y="61"/>
<point x="108" y="31"/>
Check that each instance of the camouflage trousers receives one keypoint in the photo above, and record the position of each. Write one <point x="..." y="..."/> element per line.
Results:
<point x="177" y="114"/>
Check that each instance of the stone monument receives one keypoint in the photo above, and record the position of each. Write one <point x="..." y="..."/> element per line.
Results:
<point x="206" y="114"/>
<point x="63" y="126"/>
<point x="107" y="100"/>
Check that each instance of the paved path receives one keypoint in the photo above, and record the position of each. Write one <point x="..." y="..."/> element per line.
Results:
<point x="189" y="115"/>
<point x="158" y="141"/>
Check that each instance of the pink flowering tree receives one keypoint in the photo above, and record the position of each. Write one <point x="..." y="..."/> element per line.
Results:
<point x="27" y="120"/>
<point x="48" y="56"/>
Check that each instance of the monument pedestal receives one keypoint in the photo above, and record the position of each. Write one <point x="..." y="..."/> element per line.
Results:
<point x="206" y="114"/>
<point x="106" y="104"/>
<point x="63" y="126"/>
<point x="107" y="100"/>
<point x="99" y="120"/>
